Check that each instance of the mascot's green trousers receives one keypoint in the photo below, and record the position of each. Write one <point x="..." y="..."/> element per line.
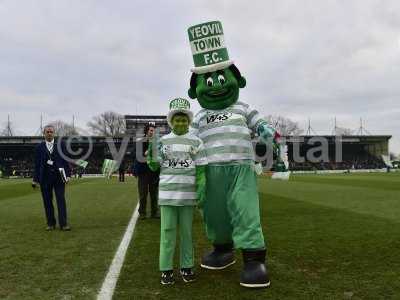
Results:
<point x="231" y="208"/>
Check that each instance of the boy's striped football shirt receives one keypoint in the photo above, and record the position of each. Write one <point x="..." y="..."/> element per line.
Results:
<point x="179" y="155"/>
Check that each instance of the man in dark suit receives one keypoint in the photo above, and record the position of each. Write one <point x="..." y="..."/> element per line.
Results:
<point x="147" y="179"/>
<point x="49" y="159"/>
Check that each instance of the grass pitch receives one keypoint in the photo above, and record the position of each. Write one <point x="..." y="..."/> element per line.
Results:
<point x="328" y="237"/>
<point x="35" y="264"/>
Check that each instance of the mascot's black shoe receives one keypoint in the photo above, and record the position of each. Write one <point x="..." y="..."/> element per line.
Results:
<point x="220" y="258"/>
<point x="254" y="274"/>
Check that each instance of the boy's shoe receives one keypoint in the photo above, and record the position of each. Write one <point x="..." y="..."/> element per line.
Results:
<point x="50" y="228"/>
<point x="188" y="275"/>
<point x="167" y="277"/>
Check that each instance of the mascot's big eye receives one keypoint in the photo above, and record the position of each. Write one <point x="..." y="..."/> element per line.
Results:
<point x="221" y="79"/>
<point x="210" y="81"/>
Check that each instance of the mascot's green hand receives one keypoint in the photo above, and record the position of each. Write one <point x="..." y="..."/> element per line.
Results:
<point x="154" y="166"/>
<point x="265" y="132"/>
<point x="200" y="185"/>
<point x="279" y="164"/>
<point x="151" y="162"/>
<point x="276" y="147"/>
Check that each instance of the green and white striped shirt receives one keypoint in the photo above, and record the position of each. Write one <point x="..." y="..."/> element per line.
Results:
<point x="226" y="133"/>
<point x="179" y="155"/>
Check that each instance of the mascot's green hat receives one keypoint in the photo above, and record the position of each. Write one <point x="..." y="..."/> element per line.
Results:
<point x="208" y="47"/>
<point x="179" y="105"/>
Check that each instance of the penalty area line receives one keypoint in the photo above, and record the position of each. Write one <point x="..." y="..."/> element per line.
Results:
<point x="109" y="283"/>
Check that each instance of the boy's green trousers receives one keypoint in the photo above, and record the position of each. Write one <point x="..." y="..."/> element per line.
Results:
<point x="173" y="217"/>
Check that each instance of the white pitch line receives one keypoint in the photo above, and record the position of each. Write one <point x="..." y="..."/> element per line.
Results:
<point x="108" y="287"/>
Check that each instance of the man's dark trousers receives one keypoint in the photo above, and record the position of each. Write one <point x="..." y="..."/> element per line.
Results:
<point x="148" y="183"/>
<point x="52" y="181"/>
<point x="121" y="176"/>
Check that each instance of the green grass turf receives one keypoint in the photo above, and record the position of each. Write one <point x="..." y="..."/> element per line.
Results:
<point x="35" y="264"/>
<point x="329" y="237"/>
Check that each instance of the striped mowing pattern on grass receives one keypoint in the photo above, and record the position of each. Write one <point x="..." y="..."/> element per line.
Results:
<point x="36" y="264"/>
<point x="328" y="237"/>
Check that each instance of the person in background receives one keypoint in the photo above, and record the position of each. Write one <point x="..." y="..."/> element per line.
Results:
<point x="121" y="171"/>
<point x="81" y="170"/>
<point x="147" y="179"/>
<point x="49" y="159"/>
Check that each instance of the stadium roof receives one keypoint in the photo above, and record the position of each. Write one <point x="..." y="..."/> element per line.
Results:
<point x="143" y="117"/>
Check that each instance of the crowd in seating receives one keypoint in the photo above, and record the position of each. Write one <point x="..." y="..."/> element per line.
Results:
<point x="24" y="167"/>
<point x="365" y="162"/>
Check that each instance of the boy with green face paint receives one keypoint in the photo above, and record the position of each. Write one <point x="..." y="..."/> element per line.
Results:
<point x="181" y="157"/>
<point x="231" y="206"/>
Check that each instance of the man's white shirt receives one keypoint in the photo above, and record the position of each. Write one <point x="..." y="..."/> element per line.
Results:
<point x="50" y="146"/>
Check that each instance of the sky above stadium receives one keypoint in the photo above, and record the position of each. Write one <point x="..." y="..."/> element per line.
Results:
<point x="314" y="59"/>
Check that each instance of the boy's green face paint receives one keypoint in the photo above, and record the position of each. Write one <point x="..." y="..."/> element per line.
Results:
<point x="217" y="90"/>
<point x="180" y="124"/>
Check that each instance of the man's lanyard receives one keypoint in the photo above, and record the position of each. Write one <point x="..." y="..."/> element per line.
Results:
<point x="49" y="155"/>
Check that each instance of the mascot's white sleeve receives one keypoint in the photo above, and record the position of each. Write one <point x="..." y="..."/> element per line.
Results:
<point x="200" y="155"/>
<point x="194" y="127"/>
<point x="257" y="123"/>
<point x="254" y="119"/>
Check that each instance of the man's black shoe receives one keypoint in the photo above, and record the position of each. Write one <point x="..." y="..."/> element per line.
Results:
<point x="155" y="216"/>
<point x="66" y="228"/>
<point x="254" y="274"/>
<point x="188" y="275"/>
<point x="220" y="258"/>
<point x="167" y="277"/>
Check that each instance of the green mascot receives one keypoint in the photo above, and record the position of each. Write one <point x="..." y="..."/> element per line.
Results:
<point x="231" y="205"/>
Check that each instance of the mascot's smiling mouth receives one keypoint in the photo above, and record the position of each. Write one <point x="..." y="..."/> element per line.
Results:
<point x="218" y="93"/>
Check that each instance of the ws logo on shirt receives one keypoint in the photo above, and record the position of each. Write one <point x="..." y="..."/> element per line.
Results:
<point x="179" y="163"/>
<point x="220" y="117"/>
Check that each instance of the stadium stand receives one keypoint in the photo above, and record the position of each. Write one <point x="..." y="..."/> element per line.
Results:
<point x="355" y="151"/>
<point x="358" y="152"/>
<point x="17" y="154"/>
